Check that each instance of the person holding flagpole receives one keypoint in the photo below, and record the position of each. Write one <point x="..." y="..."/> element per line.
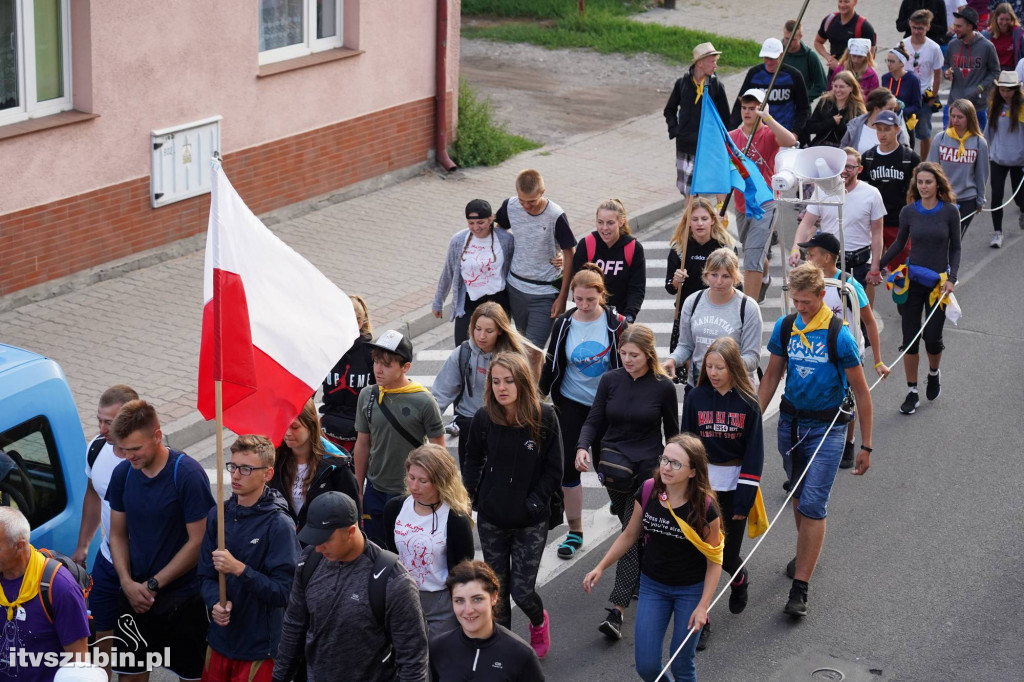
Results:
<point x="686" y="107"/>
<point x="762" y="143"/>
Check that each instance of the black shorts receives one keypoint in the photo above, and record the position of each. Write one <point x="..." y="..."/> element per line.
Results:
<point x="173" y="630"/>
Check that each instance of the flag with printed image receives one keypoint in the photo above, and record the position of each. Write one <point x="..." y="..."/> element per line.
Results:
<point x="720" y="167"/>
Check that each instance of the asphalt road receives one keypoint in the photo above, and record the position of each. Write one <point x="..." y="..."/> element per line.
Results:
<point x="917" y="580"/>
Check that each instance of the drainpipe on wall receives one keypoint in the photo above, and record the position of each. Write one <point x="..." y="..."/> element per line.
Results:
<point x="441" y="82"/>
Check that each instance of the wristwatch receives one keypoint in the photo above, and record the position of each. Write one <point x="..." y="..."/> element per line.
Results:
<point x="153" y="585"/>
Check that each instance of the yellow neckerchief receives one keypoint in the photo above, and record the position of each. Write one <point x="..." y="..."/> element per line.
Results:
<point x="411" y="387"/>
<point x="29" y="583"/>
<point x="712" y="552"/>
<point x="961" y="140"/>
<point x="700" y="87"/>
<point x="757" y="519"/>
<point x="819" y="321"/>
<point x="937" y="291"/>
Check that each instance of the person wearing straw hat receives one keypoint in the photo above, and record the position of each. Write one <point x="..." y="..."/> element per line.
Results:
<point x="820" y="359"/>
<point x="683" y="110"/>
<point x="1005" y="135"/>
<point x="788" y="96"/>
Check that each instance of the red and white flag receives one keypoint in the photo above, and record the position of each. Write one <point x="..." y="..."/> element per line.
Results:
<point x="273" y="325"/>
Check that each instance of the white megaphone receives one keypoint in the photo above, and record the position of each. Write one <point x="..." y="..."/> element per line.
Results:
<point x="785" y="178"/>
<point x="823" y="166"/>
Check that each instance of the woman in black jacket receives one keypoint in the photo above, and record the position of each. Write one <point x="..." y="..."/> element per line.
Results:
<point x="619" y="255"/>
<point x="481" y="649"/>
<point x="341" y="387"/>
<point x="584" y="345"/>
<point x="723" y="411"/>
<point x="430" y="529"/>
<point x="637" y="410"/>
<point x="303" y="467"/>
<point x="513" y="469"/>
<point x="827" y="123"/>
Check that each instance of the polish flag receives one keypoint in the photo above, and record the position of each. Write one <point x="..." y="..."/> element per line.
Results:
<point x="273" y="325"/>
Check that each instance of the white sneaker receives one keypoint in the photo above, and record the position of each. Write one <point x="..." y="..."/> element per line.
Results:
<point x="997" y="240"/>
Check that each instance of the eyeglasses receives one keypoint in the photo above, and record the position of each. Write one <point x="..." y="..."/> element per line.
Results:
<point x="673" y="464"/>
<point x="850" y="168"/>
<point x="243" y="469"/>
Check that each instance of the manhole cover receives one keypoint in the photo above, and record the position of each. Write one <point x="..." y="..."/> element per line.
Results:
<point x="827" y="674"/>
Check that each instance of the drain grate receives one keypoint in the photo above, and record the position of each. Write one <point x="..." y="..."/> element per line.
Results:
<point x="828" y="674"/>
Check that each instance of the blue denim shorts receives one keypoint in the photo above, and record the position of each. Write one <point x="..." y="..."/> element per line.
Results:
<point x="813" y="492"/>
<point x="103" y="596"/>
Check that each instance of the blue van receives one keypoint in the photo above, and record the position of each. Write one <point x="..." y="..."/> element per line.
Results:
<point x="42" y="448"/>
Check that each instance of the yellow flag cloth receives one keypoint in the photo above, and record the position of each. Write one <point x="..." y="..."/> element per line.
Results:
<point x="712" y="552"/>
<point x="411" y="387"/>
<point x="819" y="321"/>
<point x="757" y="520"/>
<point x="937" y="292"/>
<point x="29" y="583"/>
<point x="961" y="140"/>
<point x="700" y="88"/>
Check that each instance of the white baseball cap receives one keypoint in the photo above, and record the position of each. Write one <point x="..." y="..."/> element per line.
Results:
<point x="771" y="48"/>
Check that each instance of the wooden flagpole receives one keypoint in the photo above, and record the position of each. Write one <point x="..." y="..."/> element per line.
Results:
<point x="674" y="336"/>
<point x="219" y="402"/>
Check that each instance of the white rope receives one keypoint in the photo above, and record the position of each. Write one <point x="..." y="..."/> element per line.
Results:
<point x="997" y="208"/>
<point x="792" y="491"/>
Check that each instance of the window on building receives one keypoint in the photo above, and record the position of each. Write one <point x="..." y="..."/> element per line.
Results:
<point x="35" y="59"/>
<point x="296" y="28"/>
<point x="31" y="477"/>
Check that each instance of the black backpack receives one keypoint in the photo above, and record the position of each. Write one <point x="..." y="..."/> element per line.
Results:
<point x="831" y="342"/>
<point x="54" y="562"/>
<point x="94" y="450"/>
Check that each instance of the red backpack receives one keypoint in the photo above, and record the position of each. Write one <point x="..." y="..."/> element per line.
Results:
<point x="590" y="241"/>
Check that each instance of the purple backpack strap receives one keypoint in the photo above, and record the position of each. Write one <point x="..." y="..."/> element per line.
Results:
<point x="645" y="495"/>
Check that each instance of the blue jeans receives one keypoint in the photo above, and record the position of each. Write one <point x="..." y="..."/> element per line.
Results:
<point x="373" y="512"/>
<point x="657" y="604"/>
<point x="816" y="487"/>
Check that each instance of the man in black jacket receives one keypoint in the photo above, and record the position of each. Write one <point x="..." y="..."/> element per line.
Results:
<point x="259" y="564"/>
<point x="682" y="113"/>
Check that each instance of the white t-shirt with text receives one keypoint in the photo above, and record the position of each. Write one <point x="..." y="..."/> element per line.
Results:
<point x="862" y="205"/>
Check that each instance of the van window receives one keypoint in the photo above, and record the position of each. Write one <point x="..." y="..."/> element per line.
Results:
<point x="31" y="478"/>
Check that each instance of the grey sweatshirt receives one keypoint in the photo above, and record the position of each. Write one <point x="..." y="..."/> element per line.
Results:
<point x="1006" y="147"/>
<point x="967" y="172"/>
<point x="856" y="126"/>
<point x="975" y="64"/>
<point x="332" y="622"/>
<point x="451" y="275"/>
<point x="934" y="238"/>
<point x="451" y="382"/>
<point x="697" y="330"/>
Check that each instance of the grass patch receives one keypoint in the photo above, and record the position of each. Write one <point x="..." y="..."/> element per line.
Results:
<point x="605" y="28"/>
<point x="483" y="141"/>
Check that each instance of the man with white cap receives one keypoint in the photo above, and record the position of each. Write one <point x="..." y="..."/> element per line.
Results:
<point x="683" y="110"/>
<point x="837" y="28"/>
<point x="788" y="97"/>
<point x="768" y="137"/>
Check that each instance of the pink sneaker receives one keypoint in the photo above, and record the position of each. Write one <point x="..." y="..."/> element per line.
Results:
<point x="540" y="637"/>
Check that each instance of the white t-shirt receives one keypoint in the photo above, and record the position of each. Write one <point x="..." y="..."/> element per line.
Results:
<point x="481" y="267"/>
<point x="422" y="543"/>
<point x="925" y="61"/>
<point x="868" y="139"/>
<point x="298" y="497"/>
<point x="1020" y="70"/>
<point x="862" y="205"/>
<point x="99" y="474"/>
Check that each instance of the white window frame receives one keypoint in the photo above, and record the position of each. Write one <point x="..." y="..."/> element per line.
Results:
<point x="24" y="22"/>
<point x="311" y="43"/>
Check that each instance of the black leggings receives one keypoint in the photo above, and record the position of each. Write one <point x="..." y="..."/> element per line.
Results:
<point x="997" y="176"/>
<point x="967" y="207"/>
<point x="734" y="532"/>
<point x="627" y="570"/>
<point x="462" y="322"/>
<point x="912" y="312"/>
<point x="571" y="416"/>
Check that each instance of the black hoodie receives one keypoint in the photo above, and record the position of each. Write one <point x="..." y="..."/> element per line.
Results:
<point x="683" y="110"/>
<point x="332" y="473"/>
<point x="502" y="657"/>
<point x="625" y="278"/>
<point x="510" y="476"/>
<point x="342" y="386"/>
<point x="263" y="538"/>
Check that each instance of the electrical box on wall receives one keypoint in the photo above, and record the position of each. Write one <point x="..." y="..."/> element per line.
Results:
<point x="181" y="160"/>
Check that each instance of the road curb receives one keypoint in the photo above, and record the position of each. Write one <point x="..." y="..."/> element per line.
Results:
<point x="190" y="429"/>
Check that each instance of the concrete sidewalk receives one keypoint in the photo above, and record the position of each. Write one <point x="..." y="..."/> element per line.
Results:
<point x="143" y="328"/>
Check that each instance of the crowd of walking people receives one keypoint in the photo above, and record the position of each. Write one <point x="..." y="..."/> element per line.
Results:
<point x="348" y="549"/>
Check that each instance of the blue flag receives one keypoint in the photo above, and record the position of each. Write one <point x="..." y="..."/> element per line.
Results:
<point x="721" y="167"/>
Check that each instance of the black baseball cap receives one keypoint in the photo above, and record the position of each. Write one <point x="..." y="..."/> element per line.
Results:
<point x="327" y="512"/>
<point x="968" y="14"/>
<point x="395" y="342"/>
<point x="478" y="208"/>
<point x="823" y="240"/>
